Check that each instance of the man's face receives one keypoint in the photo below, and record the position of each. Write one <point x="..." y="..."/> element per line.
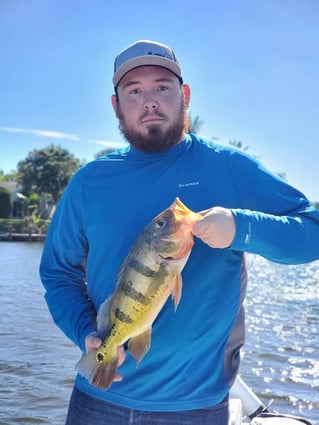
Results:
<point x="151" y="108"/>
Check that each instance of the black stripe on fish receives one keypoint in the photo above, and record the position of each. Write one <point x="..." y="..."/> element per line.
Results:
<point x="122" y="316"/>
<point x="141" y="268"/>
<point x="129" y="291"/>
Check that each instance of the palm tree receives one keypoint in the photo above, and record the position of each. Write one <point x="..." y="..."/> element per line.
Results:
<point x="194" y="124"/>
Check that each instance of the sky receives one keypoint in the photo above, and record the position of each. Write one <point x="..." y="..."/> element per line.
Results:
<point x="253" y="68"/>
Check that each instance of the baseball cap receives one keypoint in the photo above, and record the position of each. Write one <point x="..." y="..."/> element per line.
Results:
<point x="145" y="52"/>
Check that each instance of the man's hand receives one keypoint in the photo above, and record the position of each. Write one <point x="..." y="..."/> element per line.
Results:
<point x="217" y="228"/>
<point x="93" y="342"/>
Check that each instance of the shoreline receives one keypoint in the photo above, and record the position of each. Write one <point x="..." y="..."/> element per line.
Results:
<point x="21" y="237"/>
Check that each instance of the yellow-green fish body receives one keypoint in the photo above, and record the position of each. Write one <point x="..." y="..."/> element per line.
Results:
<point x="149" y="275"/>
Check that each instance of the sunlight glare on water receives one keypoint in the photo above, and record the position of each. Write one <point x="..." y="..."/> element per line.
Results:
<point x="282" y="342"/>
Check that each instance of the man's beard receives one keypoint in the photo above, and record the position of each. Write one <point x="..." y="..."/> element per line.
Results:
<point x="157" y="139"/>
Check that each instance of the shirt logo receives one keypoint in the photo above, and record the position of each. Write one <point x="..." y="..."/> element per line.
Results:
<point x="188" y="184"/>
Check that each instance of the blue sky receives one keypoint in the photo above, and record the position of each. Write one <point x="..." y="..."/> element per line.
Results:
<point x="253" y="67"/>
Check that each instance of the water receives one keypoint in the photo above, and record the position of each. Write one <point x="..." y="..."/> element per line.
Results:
<point x="281" y="360"/>
<point x="282" y="343"/>
<point x="36" y="360"/>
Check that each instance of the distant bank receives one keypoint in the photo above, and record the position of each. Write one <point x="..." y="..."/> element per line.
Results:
<point x="21" y="237"/>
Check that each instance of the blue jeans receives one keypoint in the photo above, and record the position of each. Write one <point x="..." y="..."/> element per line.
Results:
<point x="86" y="410"/>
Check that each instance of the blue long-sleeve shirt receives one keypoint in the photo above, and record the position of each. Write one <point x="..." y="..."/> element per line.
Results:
<point x="194" y="353"/>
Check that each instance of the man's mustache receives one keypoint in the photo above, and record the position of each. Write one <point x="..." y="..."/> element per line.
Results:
<point x="152" y="114"/>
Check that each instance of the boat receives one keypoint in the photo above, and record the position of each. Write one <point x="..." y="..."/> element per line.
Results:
<point x="247" y="409"/>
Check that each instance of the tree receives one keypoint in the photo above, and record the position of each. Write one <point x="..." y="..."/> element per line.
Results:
<point x="2" y="176"/>
<point x="103" y="152"/>
<point x="194" y="124"/>
<point x="5" y="203"/>
<point x="7" y="177"/>
<point x="47" y="171"/>
<point x="238" y="144"/>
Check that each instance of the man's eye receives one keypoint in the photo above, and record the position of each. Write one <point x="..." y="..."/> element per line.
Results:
<point x="135" y="91"/>
<point x="162" y="88"/>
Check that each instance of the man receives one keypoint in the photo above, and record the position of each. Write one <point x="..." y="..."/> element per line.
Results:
<point x="186" y="375"/>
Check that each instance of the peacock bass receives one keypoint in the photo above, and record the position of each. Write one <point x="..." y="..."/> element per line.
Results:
<point x="148" y="276"/>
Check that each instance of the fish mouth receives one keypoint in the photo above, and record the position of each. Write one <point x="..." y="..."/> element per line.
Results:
<point x="169" y="258"/>
<point x="182" y="252"/>
<point x="182" y="211"/>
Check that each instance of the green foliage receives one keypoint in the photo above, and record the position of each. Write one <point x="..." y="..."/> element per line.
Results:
<point x="238" y="144"/>
<point x="33" y="203"/>
<point x="103" y="152"/>
<point x="34" y="198"/>
<point x="194" y="124"/>
<point x="7" y="177"/>
<point x="17" y="225"/>
<point x="282" y="176"/>
<point x="5" y="203"/>
<point x="47" y="170"/>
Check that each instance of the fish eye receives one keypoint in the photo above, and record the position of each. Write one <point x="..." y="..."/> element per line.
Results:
<point x="159" y="224"/>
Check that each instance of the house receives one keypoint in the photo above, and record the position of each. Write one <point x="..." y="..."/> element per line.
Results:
<point x="19" y="201"/>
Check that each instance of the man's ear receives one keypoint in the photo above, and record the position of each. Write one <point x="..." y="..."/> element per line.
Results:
<point x="187" y="94"/>
<point x="114" y="102"/>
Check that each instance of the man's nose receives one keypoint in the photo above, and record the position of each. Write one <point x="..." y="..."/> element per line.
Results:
<point x="150" y="103"/>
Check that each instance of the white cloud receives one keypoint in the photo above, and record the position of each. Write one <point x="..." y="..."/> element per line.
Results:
<point x="108" y="144"/>
<point x="41" y="133"/>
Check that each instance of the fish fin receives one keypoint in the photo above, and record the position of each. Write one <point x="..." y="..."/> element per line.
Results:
<point x="103" y="317"/>
<point x="177" y="290"/>
<point x="100" y="375"/>
<point x="139" y="345"/>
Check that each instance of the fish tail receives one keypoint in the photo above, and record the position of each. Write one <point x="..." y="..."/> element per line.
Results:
<point x="105" y="374"/>
<point x="99" y="374"/>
